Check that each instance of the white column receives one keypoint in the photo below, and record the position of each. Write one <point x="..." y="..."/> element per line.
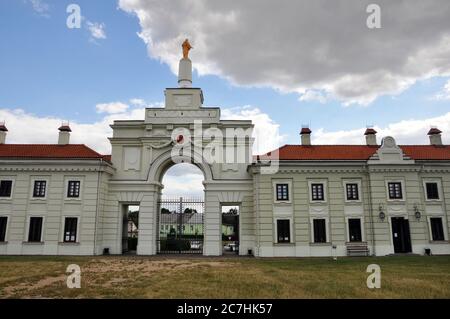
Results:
<point x="212" y="242"/>
<point x="147" y="225"/>
<point x="185" y="73"/>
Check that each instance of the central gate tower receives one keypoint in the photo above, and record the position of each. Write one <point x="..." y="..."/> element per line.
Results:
<point x="182" y="131"/>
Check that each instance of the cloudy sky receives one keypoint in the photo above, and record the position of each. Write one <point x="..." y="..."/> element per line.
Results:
<point x="281" y="63"/>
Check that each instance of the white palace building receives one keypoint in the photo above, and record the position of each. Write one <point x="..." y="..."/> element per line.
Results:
<point x="298" y="200"/>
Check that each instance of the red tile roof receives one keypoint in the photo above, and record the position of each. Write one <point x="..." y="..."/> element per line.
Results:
<point x="49" y="151"/>
<point x="355" y="152"/>
<point x="427" y="152"/>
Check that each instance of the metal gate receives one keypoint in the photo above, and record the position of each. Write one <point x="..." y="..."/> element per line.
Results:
<point x="180" y="222"/>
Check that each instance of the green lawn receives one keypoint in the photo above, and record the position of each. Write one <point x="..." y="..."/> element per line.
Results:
<point x="201" y="277"/>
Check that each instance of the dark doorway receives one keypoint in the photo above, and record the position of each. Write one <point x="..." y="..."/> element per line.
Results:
<point x="130" y="230"/>
<point x="354" y="229"/>
<point x="400" y="235"/>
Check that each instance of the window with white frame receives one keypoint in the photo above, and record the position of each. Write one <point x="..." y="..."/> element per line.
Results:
<point x="395" y="190"/>
<point x="320" y="230"/>
<point x="70" y="229"/>
<point x="3" y="225"/>
<point x="35" y="229"/>
<point x="352" y="191"/>
<point x="282" y="191"/>
<point x="39" y="188"/>
<point x="317" y="192"/>
<point x="437" y="229"/>
<point x="5" y="188"/>
<point x="73" y="189"/>
<point x="432" y="190"/>
<point x="283" y="231"/>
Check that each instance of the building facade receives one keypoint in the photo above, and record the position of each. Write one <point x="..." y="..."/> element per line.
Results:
<point x="298" y="200"/>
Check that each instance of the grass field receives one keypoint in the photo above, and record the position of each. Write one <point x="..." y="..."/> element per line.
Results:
<point x="201" y="277"/>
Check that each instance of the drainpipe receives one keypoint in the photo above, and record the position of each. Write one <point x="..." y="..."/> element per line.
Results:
<point x="369" y="188"/>
<point x="99" y="174"/>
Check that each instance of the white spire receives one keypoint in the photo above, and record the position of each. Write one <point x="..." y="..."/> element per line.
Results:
<point x="185" y="67"/>
<point x="185" y="73"/>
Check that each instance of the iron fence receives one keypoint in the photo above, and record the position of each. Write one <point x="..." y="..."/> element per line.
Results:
<point x="180" y="223"/>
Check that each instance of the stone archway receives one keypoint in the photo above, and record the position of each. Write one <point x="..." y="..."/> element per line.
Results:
<point x="210" y="230"/>
<point x="164" y="161"/>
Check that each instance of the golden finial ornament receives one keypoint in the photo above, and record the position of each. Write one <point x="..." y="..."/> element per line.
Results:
<point x="186" y="47"/>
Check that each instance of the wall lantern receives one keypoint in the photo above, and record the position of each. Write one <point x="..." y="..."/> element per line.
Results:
<point x="382" y="215"/>
<point x="417" y="212"/>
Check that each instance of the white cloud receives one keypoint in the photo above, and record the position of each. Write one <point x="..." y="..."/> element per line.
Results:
<point x="143" y="103"/>
<point x="314" y="95"/>
<point x="97" y="30"/>
<point x="138" y="102"/>
<point x="444" y="94"/>
<point x="111" y="108"/>
<point x="299" y="45"/>
<point x="40" y="7"/>
<point x="412" y="131"/>
<point x="266" y="131"/>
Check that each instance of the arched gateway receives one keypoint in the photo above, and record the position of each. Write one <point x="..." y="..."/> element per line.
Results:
<point x="182" y="131"/>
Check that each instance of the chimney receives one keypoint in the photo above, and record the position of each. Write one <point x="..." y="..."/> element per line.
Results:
<point x="371" y="136"/>
<point x="3" y="131"/>
<point x="305" y="133"/>
<point x="64" y="134"/>
<point x="435" y="136"/>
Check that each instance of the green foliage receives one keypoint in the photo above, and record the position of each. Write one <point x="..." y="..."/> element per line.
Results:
<point x="165" y="211"/>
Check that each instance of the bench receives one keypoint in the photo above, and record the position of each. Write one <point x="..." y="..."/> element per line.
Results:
<point x="357" y="249"/>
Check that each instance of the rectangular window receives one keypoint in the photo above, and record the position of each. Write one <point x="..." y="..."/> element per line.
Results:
<point x="35" y="230"/>
<point x="283" y="231"/>
<point x="354" y="229"/>
<point x="432" y="190"/>
<point x="39" y="188"/>
<point x="317" y="192"/>
<point x="352" y="191"/>
<point x="5" y="188"/>
<point x="73" y="189"/>
<point x="3" y="223"/>
<point x="282" y="192"/>
<point x="70" y="229"/>
<point x="437" y="231"/>
<point x="395" y="190"/>
<point x="320" y="233"/>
